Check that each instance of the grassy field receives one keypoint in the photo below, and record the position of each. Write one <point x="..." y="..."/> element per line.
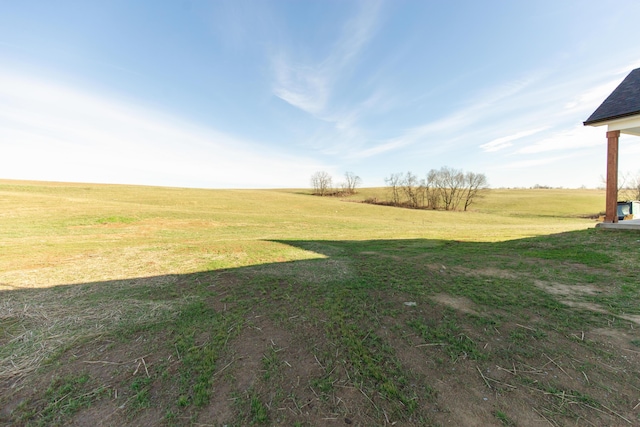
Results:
<point x="125" y="305"/>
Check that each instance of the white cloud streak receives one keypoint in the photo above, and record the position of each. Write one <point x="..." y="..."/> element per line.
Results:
<point x="309" y="85"/>
<point x="54" y="132"/>
<point x="558" y="122"/>
<point x="304" y="87"/>
<point x="456" y="122"/>
<point x="585" y="100"/>
<point x="569" y="139"/>
<point x="507" y="141"/>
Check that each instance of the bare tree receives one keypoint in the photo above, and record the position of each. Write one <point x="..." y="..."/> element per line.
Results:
<point x="321" y="182"/>
<point x="629" y="186"/>
<point x="634" y="188"/>
<point x="447" y="183"/>
<point x="623" y="177"/>
<point x="453" y="180"/>
<point x="394" y="182"/>
<point x="432" y="189"/>
<point x="473" y="184"/>
<point x="413" y="189"/>
<point x="351" y="182"/>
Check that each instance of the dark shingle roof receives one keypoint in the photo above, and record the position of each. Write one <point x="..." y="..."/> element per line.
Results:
<point x="624" y="101"/>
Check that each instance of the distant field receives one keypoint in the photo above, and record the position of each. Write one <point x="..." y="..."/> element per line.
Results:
<point x="54" y="234"/>
<point x="128" y="306"/>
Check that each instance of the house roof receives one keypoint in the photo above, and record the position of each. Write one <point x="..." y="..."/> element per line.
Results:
<point x="624" y="101"/>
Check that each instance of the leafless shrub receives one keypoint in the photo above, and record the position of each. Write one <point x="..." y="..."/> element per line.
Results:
<point x="413" y="189"/>
<point x="321" y="183"/>
<point x="394" y="181"/>
<point x="474" y="183"/>
<point x="629" y="186"/>
<point x="351" y="182"/>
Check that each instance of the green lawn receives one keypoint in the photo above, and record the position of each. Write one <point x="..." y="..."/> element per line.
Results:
<point x="126" y="305"/>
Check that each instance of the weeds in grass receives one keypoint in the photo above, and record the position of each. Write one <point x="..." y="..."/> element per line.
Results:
<point x="270" y="364"/>
<point x="323" y="385"/>
<point x="63" y="398"/>
<point x="252" y="409"/>
<point x="449" y="335"/>
<point x="372" y="363"/>
<point x="259" y="413"/>
<point x="502" y="417"/>
<point x="140" y="386"/>
<point x="199" y="359"/>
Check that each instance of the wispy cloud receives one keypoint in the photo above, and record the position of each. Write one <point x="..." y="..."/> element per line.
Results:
<point x="627" y="68"/>
<point x="573" y="138"/>
<point x="509" y="106"/>
<point x="584" y="101"/>
<point x="304" y="87"/>
<point x="597" y="87"/>
<point x="460" y="121"/>
<point x="54" y="132"/>
<point x="507" y="141"/>
<point x="412" y="136"/>
<point x="308" y="84"/>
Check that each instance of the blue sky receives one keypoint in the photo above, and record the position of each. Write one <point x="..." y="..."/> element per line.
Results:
<point x="259" y="94"/>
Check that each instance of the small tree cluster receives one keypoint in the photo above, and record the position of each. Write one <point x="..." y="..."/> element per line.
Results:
<point x="445" y="188"/>
<point x="322" y="184"/>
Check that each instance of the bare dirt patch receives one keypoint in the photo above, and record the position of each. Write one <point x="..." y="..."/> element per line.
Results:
<point x="566" y="290"/>
<point x="616" y="338"/>
<point x="630" y="317"/>
<point x="486" y="271"/>
<point x="461" y="304"/>
<point x="585" y="306"/>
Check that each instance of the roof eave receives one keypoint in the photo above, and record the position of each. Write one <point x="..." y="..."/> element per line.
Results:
<point x="609" y="119"/>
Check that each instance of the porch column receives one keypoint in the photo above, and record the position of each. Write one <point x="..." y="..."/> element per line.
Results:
<point x="611" y="214"/>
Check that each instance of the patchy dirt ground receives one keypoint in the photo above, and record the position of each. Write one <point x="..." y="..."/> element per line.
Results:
<point x="279" y="363"/>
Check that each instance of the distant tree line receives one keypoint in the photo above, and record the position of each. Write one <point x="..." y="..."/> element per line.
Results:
<point x="445" y="188"/>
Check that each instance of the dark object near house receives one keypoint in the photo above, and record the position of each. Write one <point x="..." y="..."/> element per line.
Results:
<point x="628" y="210"/>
